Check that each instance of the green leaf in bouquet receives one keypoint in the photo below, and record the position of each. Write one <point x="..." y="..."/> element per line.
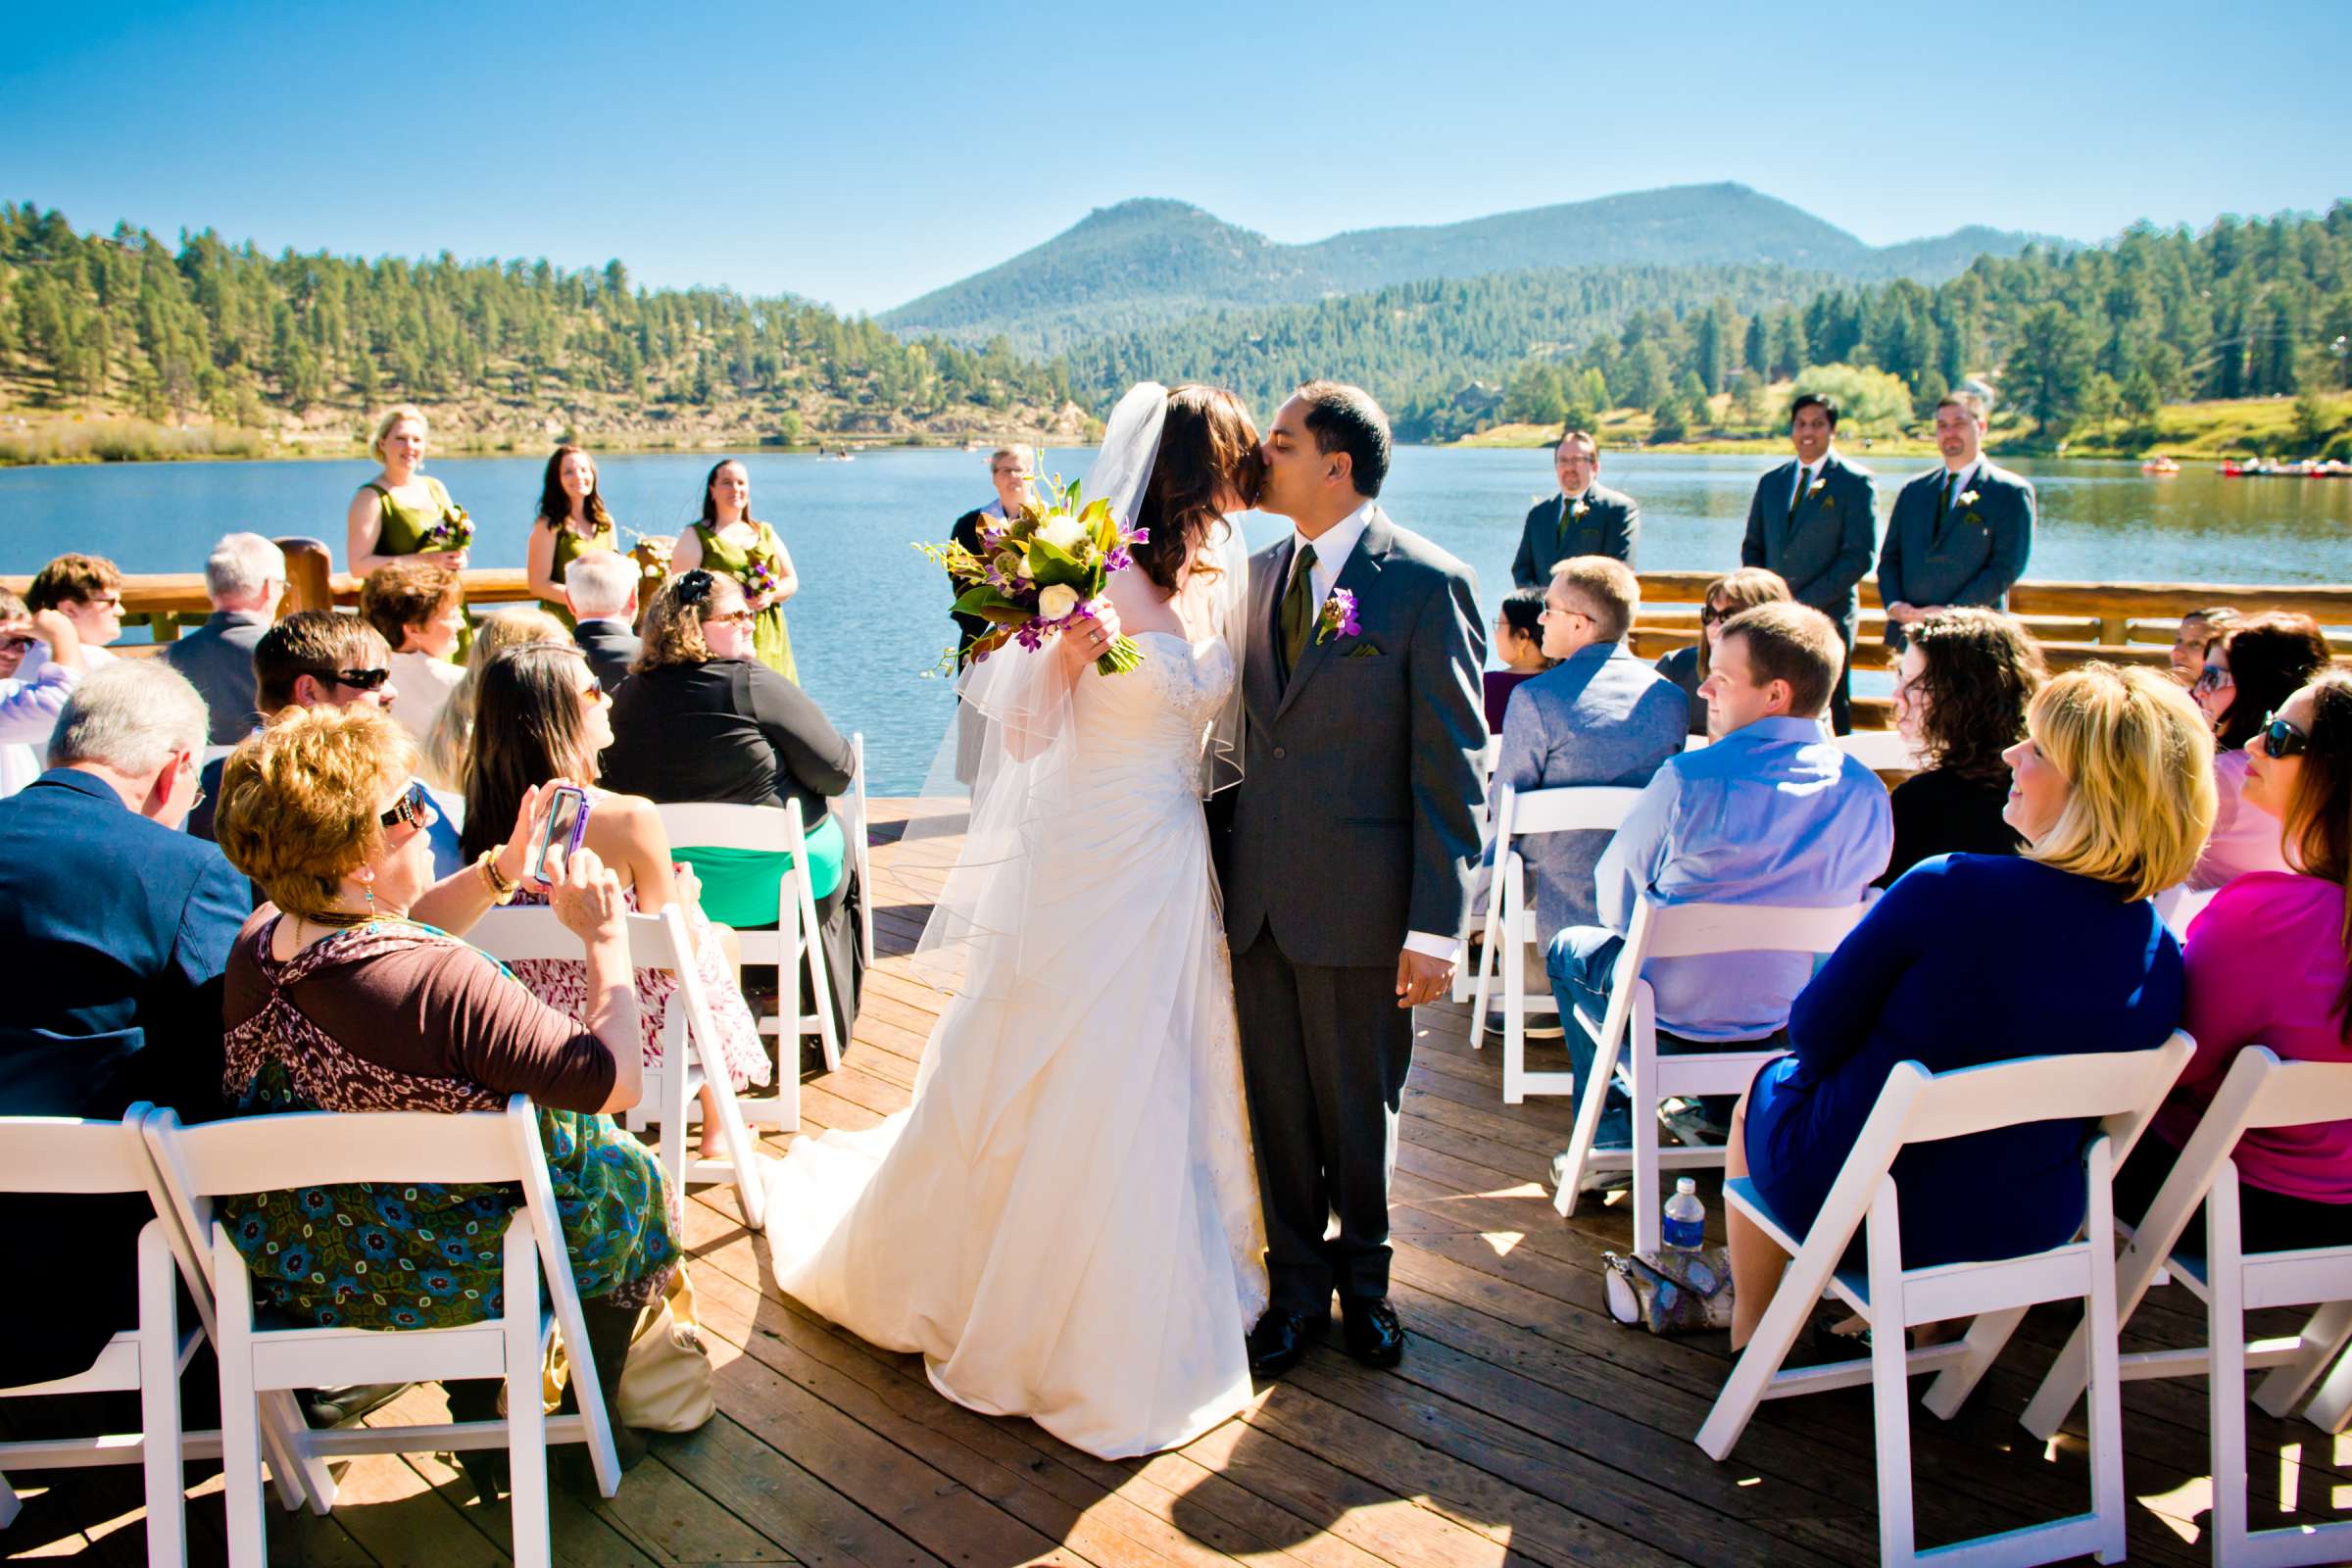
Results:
<point x="978" y="599"/>
<point x="1049" y="564"/>
<point x="1096" y="511"/>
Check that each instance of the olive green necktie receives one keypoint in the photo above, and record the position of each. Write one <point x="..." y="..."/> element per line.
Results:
<point x="1949" y="478"/>
<point x="1299" y="608"/>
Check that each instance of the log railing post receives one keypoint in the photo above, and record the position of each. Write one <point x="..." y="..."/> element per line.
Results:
<point x="309" y="570"/>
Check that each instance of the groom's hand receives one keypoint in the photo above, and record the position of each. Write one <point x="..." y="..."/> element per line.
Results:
<point x="1421" y="979"/>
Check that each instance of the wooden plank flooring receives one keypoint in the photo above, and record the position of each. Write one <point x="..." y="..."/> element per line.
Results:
<point x="1524" y="1426"/>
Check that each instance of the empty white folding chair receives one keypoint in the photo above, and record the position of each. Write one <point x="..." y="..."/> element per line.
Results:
<point x="794" y="943"/>
<point x="1653" y="1076"/>
<point x="321" y="1148"/>
<point x="2260" y="1091"/>
<point x="690" y="1057"/>
<point x="60" y="1154"/>
<point x="857" y="827"/>
<point x="1511" y="917"/>
<point x="1881" y="751"/>
<point x="2121" y="1091"/>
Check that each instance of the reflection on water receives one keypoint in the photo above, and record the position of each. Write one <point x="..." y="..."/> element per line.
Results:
<point x="871" y="613"/>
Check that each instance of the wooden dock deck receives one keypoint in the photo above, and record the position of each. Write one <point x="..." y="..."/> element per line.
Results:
<point x="1524" y="1426"/>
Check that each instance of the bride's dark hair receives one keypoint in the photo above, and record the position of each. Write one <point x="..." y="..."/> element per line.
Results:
<point x="1207" y="444"/>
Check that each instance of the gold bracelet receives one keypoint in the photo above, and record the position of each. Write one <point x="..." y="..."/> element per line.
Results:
<point x="501" y="890"/>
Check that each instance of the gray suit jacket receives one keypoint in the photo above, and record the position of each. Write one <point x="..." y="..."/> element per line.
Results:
<point x="1601" y="716"/>
<point x="1821" y="548"/>
<point x="216" y="658"/>
<point x="1612" y="525"/>
<point x="1969" y="556"/>
<point x="1356" y="820"/>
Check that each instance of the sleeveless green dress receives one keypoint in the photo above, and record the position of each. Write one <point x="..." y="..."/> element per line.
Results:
<point x="404" y="528"/>
<point x="771" y="640"/>
<point x="570" y="547"/>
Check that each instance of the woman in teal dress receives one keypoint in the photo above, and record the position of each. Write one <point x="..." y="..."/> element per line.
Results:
<point x="337" y="1001"/>
<point x="728" y="539"/>
<point x="572" y="521"/>
<point x="403" y="511"/>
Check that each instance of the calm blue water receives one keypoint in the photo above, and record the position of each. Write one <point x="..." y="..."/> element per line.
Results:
<point x="871" y="614"/>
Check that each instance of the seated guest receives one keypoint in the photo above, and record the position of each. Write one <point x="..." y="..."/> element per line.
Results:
<point x="1519" y="643"/>
<point x="32" y="690"/>
<point x="338" y="1001"/>
<point x="1960" y="699"/>
<point x="245" y="577"/>
<point x="540" y="717"/>
<point x="1599" y="717"/>
<point x="2250" y="670"/>
<point x="602" y="589"/>
<point x="2197" y="630"/>
<point x="113" y="930"/>
<point x="1973" y="958"/>
<point x="1772" y="813"/>
<point x="703" y="719"/>
<point x="87" y="590"/>
<point x="1688" y="666"/>
<point x="418" y="606"/>
<point x="2266" y="966"/>
<point x="452" y="734"/>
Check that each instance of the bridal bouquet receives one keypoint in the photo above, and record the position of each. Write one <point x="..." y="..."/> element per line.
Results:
<point x="454" y="530"/>
<point x="1039" y="572"/>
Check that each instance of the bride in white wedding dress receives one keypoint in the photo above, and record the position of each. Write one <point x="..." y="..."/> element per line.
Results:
<point x="1065" y="1223"/>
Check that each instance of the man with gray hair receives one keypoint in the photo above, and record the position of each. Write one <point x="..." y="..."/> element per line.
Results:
<point x="114" y="928"/>
<point x="601" y="587"/>
<point x="245" y="578"/>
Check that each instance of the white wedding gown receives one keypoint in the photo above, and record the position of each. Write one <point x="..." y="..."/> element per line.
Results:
<point x="1065" y="1223"/>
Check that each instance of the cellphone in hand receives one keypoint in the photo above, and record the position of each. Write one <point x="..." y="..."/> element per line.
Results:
<point x="566" y="827"/>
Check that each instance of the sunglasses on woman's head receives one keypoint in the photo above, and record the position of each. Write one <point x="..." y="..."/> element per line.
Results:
<point x="358" y="681"/>
<point x="2213" y="678"/>
<point x="415" y="808"/>
<point x="2280" y="738"/>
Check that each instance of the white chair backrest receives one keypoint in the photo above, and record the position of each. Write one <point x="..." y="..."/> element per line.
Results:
<point x="1883" y="751"/>
<point x="1695" y="930"/>
<point x="706" y="825"/>
<point x="67" y="1154"/>
<point x="531" y="934"/>
<point x="2116" y="1087"/>
<point x="326" y="1148"/>
<point x="1568" y="808"/>
<point x="2294" y="1093"/>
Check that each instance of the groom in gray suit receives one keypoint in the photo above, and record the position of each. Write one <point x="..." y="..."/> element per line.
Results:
<point x="1347" y="859"/>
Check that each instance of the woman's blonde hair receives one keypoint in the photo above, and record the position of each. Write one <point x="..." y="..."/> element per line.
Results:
<point x="451" y="740"/>
<point x="299" y="802"/>
<point x="392" y="417"/>
<point x="672" y="633"/>
<point x="2137" y="758"/>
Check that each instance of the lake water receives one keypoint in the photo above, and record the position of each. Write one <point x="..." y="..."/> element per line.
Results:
<point x="871" y="613"/>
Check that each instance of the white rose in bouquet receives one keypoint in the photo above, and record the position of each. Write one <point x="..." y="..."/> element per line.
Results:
<point x="1057" y="601"/>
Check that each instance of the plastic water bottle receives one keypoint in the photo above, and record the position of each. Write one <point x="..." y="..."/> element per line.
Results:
<point x="1685" y="1227"/>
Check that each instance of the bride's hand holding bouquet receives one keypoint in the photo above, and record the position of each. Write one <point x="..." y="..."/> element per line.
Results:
<point x="1041" y="573"/>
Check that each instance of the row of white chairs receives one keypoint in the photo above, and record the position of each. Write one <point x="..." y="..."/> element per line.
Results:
<point x="184" y="1171"/>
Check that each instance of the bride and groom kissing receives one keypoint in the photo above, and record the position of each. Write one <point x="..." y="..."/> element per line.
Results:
<point x="1152" y="1132"/>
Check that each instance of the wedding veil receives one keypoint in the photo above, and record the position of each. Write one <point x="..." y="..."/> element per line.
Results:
<point x="1002" y="782"/>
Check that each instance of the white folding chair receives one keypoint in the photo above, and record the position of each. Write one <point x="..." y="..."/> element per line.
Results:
<point x="1881" y="751"/>
<point x="2121" y="1090"/>
<point x="2260" y="1091"/>
<point x="857" y="827"/>
<point x="321" y="1148"/>
<point x="795" y="942"/>
<point x="690" y="1057"/>
<point x="1511" y="917"/>
<point x="47" y="1154"/>
<point x="1653" y="1076"/>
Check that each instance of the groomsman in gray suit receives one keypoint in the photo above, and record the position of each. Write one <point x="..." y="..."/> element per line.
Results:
<point x="1347" y="857"/>
<point x="1585" y="518"/>
<point x="1960" y="534"/>
<point x="1815" y="521"/>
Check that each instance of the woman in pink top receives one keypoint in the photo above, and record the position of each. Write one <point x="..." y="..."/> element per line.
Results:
<point x="2250" y="669"/>
<point x="2266" y="965"/>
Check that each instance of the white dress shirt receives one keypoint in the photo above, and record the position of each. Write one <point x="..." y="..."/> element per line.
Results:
<point x="1963" y="478"/>
<point x="1331" y="551"/>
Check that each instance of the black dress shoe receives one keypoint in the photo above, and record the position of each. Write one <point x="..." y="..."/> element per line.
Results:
<point x="1280" y="1340"/>
<point x="1374" y="1336"/>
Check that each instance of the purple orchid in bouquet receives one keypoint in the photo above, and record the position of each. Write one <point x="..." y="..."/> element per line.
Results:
<point x="1041" y="571"/>
<point x="759" y="579"/>
<point x="1337" y="617"/>
<point x="454" y="530"/>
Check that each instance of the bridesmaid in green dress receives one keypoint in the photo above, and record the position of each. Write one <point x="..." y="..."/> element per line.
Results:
<point x="572" y="521"/>
<point x="729" y="539"/>
<point x="393" y="513"/>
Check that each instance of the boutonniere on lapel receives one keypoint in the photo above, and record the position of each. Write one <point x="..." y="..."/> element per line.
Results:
<point x="1337" y="619"/>
<point x="1818" y="490"/>
<point x="1577" y="509"/>
<point x="1967" y="506"/>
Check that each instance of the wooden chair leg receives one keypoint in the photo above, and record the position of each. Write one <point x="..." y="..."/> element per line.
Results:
<point x="1986" y="1337"/>
<point x="526" y="1418"/>
<point x="2226" y="1372"/>
<point x="240" y="1414"/>
<point x="1648" y="1229"/>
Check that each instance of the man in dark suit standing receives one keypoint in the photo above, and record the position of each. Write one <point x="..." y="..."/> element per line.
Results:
<point x="601" y="587"/>
<point x="1960" y="534"/>
<point x="1012" y="470"/>
<point x="1585" y="518"/>
<point x="114" y="928"/>
<point x="1815" y="521"/>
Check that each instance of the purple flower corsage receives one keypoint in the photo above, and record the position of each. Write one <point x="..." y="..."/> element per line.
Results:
<point x="1338" y="617"/>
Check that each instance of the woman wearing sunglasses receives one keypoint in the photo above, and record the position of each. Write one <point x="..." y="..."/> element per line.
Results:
<point x="2266" y="965"/>
<point x="30" y="703"/>
<point x="2249" y="671"/>
<point x="1727" y="596"/>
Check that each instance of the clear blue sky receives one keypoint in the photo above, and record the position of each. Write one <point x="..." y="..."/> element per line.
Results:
<point x="860" y="154"/>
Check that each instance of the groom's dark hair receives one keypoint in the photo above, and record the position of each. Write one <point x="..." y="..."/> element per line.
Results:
<point x="1344" y="418"/>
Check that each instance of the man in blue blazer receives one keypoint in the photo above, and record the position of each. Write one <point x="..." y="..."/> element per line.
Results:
<point x="1585" y="518"/>
<point x="1960" y="534"/>
<point x="114" y="928"/>
<point x="1815" y="521"/>
<point x="1600" y="716"/>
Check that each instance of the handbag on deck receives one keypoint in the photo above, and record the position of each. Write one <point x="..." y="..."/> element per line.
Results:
<point x="667" y="1384"/>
